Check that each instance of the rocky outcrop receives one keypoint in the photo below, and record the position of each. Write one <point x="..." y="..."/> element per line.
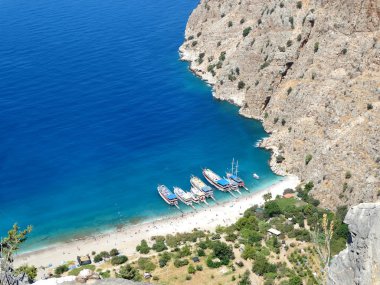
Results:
<point x="310" y="70"/>
<point x="108" y="281"/>
<point x="359" y="263"/>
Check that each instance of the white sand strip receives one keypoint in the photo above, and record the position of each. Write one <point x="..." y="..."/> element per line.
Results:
<point x="126" y="239"/>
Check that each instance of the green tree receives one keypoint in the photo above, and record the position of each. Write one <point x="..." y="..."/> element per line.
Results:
<point x="262" y="266"/>
<point x="143" y="247"/>
<point x="191" y="269"/>
<point x="12" y="241"/>
<point x="222" y="251"/>
<point x="245" y="279"/>
<point x="30" y="272"/>
<point x="295" y="280"/>
<point x="61" y="269"/>
<point x="146" y="264"/>
<point x="267" y="196"/>
<point x="120" y="259"/>
<point x="272" y="209"/>
<point x="128" y="272"/>
<point x="114" y="252"/>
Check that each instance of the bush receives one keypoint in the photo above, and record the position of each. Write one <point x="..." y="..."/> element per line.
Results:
<point x="61" y="269"/>
<point x="201" y="252"/>
<point x="316" y="47"/>
<point x="280" y="158"/>
<point x="30" y="272"/>
<point x="97" y="258"/>
<point x="272" y="209"/>
<point x="146" y="264"/>
<point x="246" y="31"/>
<point x="120" y="259"/>
<point x="299" y="38"/>
<point x="230" y="24"/>
<point x="369" y="106"/>
<point x="289" y="90"/>
<point x="245" y="280"/>
<point x="143" y="247"/>
<point x="194" y="43"/>
<point x="262" y="266"/>
<point x="241" y="85"/>
<point x="281" y="49"/>
<point x="180" y="262"/>
<point x="188" y="277"/>
<point x="289" y="43"/>
<point x="164" y="259"/>
<point x="282" y="5"/>
<point x="114" y="252"/>
<point x="242" y="21"/>
<point x="128" y="272"/>
<point x="344" y="51"/>
<point x="299" y="4"/>
<point x="308" y="158"/>
<point x="191" y="269"/>
<point x="159" y="245"/>
<point x="199" y="267"/>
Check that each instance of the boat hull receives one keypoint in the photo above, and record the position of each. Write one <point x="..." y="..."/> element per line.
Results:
<point x="172" y="202"/>
<point x="213" y="183"/>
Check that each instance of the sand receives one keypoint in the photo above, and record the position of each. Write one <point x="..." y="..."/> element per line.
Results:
<point x="126" y="239"/>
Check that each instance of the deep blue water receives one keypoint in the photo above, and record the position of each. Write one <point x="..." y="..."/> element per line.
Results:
<point x="96" y="109"/>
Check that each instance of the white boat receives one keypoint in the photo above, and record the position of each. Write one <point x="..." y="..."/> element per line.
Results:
<point x="217" y="181"/>
<point x="185" y="197"/>
<point x="200" y="195"/>
<point x="255" y="176"/>
<point x="167" y="195"/>
<point x="200" y="185"/>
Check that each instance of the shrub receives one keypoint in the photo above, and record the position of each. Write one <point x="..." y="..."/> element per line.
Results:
<point x="289" y="90"/>
<point x="281" y="49"/>
<point x="188" y="277"/>
<point x="262" y="266"/>
<point x="299" y="4"/>
<point x="143" y="247"/>
<point x="280" y="158"/>
<point x="191" y="269"/>
<point x="241" y="85"/>
<point x="164" y="259"/>
<point x="245" y="280"/>
<point x="75" y="271"/>
<point x="61" y="269"/>
<point x="369" y="106"/>
<point x="259" y="22"/>
<point x="299" y="38"/>
<point x="120" y="259"/>
<point x="275" y="120"/>
<point x="97" y="258"/>
<point x="199" y="267"/>
<point x="30" y="272"/>
<point x="347" y="175"/>
<point x="230" y="24"/>
<point x="146" y="264"/>
<point x="128" y="272"/>
<point x="190" y="38"/>
<point x="291" y="21"/>
<point x="344" y="51"/>
<point x="282" y="5"/>
<point x="159" y="245"/>
<point x="308" y="158"/>
<point x="180" y="262"/>
<point x="194" y="43"/>
<point x="199" y="34"/>
<point x="246" y="31"/>
<point x="316" y="47"/>
<point x="114" y="252"/>
<point x="289" y="43"/>
<point x="272" y="209"/>
<point x="283" y="122"/>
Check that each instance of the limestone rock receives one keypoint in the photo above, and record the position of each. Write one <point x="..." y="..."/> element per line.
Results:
<point x="311" y="73"/>
<point x="359" y="263"/>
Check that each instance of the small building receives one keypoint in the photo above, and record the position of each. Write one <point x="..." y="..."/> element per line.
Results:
<point x="84" y="260"/>
<point x="195" y="259"/>
<point x="273" y="232"/>
<point x="288" y="195"/>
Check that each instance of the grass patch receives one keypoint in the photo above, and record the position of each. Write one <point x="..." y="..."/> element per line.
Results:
<point x="76" y="271"/>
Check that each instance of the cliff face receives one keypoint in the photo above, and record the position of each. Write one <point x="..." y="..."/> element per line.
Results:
<point x="360" y="262"/>
<point x="310" y="70"/>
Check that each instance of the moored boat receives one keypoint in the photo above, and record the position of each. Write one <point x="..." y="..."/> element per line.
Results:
<point x="200" y="195"/>
<point x="255" y="176"/>
<point x="185" y="197"/>
<point x="233" y="175"/>
<point x="215" y="180"/>
<point x="167" y="195"/>
<point x="200" y="185"/>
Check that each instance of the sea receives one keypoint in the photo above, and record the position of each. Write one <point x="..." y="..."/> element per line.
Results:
<point x="96" y="110"/>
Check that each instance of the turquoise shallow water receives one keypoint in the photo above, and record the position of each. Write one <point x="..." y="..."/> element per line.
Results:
<point x="96" y="110"/>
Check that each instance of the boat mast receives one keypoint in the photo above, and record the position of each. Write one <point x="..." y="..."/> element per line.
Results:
<point x="236" y="168"/>
<point x="232" y="166"/>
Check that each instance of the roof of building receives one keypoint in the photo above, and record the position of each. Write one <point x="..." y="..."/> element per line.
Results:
<point x="274" y="231"/>
<point x="288" y="195"/>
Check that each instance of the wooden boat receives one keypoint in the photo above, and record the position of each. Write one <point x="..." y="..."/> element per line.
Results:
<point x="200" y="185"/>
<point x="185" y="197"/>
<point x="233" y="177"/>
<point x="167" y="195"/>
<point x="200" y="195"/>
<point x="255" y="176"/>
<point x="217" y="181"/>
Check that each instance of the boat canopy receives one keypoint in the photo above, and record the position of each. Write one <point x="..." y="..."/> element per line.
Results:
<point x="223" y="182"/>
<point x="206" y="188"/>
<point x="171" y="196"/>
<point x="234" y="177"/>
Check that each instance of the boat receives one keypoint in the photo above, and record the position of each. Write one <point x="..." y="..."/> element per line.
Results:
<point x="255" y="176"/>
<point x="185" y="197"/>
<point x="167" y="195"/>
<point x="233" y="177"/>
<point x="200" y="185"/>
<point x="200" y="195"/>
<point x="217" y="181"/>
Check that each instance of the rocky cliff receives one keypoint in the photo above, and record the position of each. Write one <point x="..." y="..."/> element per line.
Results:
<point x="310" y="70"/>
<point x="360" y="262"/>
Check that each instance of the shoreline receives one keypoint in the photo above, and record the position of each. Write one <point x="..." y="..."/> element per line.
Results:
<point x="127" y="238"/>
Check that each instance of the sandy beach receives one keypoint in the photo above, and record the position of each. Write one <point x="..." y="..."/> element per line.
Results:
<point x="126" y="239"/>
